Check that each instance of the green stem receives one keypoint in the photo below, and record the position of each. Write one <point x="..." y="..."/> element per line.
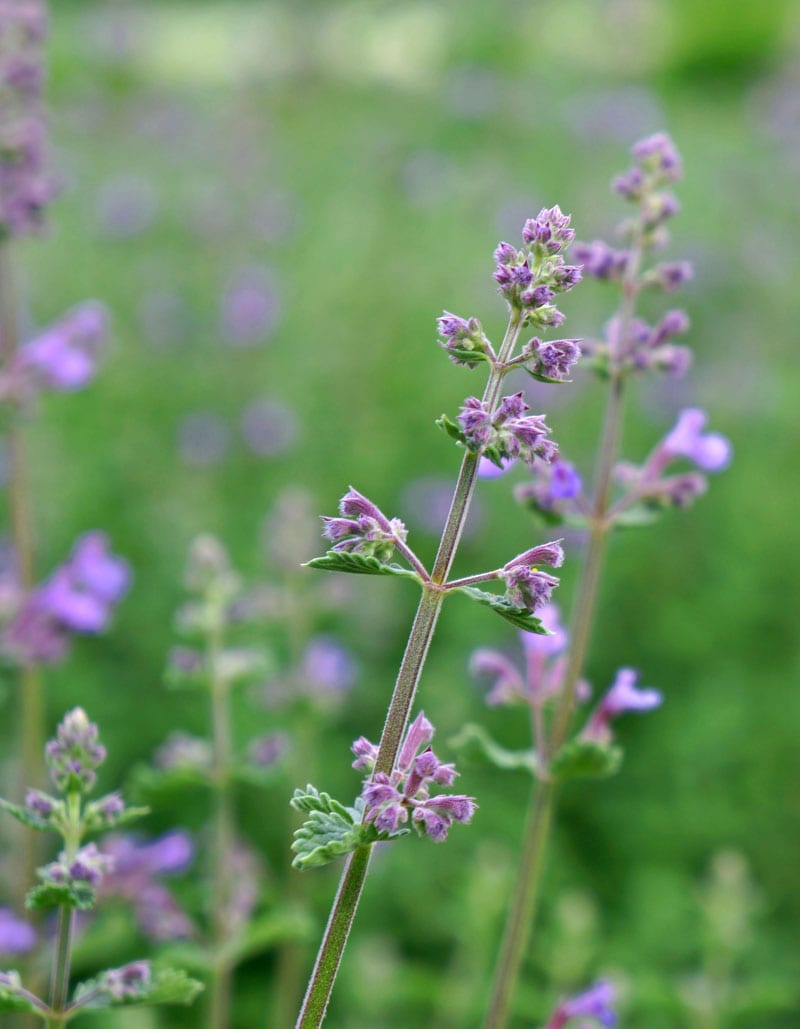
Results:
<point x="220" y="991"/>
<point x="522" y="910"/>
<point x="59" y="989"/>
<point x="29" y="687"/>
<point x="343" y="913"/>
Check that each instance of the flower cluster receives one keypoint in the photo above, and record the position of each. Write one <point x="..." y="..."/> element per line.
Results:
<point x="526" y="585"/>
<point x="709" y="451"/>
<point x="26" y="185"/>
<point x="463" y="338"/>
<point x="529" y="278"/>
<point x="551" y="359"/>
<point x="555" y="487"/>
<point x="75" y="753"/>
<point x="597" y="1003"/>
<point x="507" y="432"/>
<point x="88" y="865"/>
<point x="390" y="799"/>
<point x="363" y="528"/>
<point x="64" y="357"/>
<point x="622" y="696"/>
<point x="79" y="597"/>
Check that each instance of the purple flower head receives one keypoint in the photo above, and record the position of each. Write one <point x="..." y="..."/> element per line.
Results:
<point x="555" y="485"/>
<point x="129" y="981"/>
<point x="658" y="154"/>
<point x="389" y="799"/>
<point x="40" y="804"/>
<point x="249" y="308"/>
<point x="622" y="696"/>
<point x="600" y="260"/>
<point x="363" y="528"/>
<point x="710" y="451"/>
<point x="550" y="230"/>
<point x="266" y="751"/>
<point x="670" y="275"/>
<point x="459" y="335"/>
<point x="526" y="586"/>
<point x="64" y="357"/>
<point x="507" y="433"/>
<point x="674" y="323"/>
<point x="268" y="427"/>
<point x="135" y="877"/>
<point x="529" y="278"/>
<point x="16" y="936"/>
<point x="554" y="358"/>
<point x="88" y="865"/>
<point x="74" y="754"/>
<point x="597" y="1002"/>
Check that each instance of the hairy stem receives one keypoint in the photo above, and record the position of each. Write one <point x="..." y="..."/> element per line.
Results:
<point x="219" y="993"/>
<point x="351" y="884"/>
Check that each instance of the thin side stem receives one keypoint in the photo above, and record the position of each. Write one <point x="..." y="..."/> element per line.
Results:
<point x="220" y="991"/>
<point x="522" y="911"/>
<point x="351" y="884"/>
<point x="30" y="701"/>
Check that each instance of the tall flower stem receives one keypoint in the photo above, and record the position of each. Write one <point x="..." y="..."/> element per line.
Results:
<point x="220" y="992"/>
<point x="30" y="703"/>
<point x="62" y="956"/>
<point x="523" y="904"/>
<point x="354" y="875"/>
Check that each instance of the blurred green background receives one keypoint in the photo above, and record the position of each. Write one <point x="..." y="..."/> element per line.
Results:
<point x="355" y="164"/>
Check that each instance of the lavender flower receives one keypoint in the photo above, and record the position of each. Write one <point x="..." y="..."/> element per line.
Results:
<point x="596" y="1003"/>
<point x="326" y="667"/>
<point x="182" y="750"/>
<point x="64" y="357"/>
<point x="622" y="696"/>
<point x="89" y="865"/>
<point x="249" y="307"/>
<point x="526" y="586"/>
<point x="79" y="597"/>
<point x="462" y="337"/>
<point x="553" y="359"/>
<point x="26" y="185"/>
<point x="363" y="528"/>
<point x="135" y="877"/>
<point x="505" y="433"/>
<point x="708" y="450"/>
<point x="16" y="936"/>
<point x="600" y="260"/>
<point x="129" y="981"/>
<point x="390" y="799"/>
<point x="75" y="753"/>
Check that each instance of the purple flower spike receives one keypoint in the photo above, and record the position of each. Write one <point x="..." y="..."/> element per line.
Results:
<point x="597" y="1002"/>
<point x="75" y="752"/>
<point x="507" y="433"/>
<point x="389" y="799"/>
<point x="363" y="528"/>
<point x="16" y="936"/>
<point x="710" y="451"/>
<point x="658" y="153"/>
<point x="623" y="696"/>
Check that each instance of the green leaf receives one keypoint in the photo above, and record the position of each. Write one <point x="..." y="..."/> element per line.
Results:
<point x="22" y="814"/>
<point x="638" y="515"/>
<point x="452" y="429"/>
<point x="541" y="377"/>
<point x="10" y="1000"/>
<point x="75" y="894"/>
<point x="168" y="986"/>
<point x="476" y="742"/>
<point x="359" y="564"/>
<point x="586" y="759"/>
<point x="469" y="357"/>
<point x="516" y="615"/>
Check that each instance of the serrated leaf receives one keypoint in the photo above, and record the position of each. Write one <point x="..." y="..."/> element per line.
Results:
<point x="358" y="564"/>
<point x="168" y="986"/>
<point x="22" y="814"/>
<point x="586" y="759"/>
<point x="75" y="894"/>
<point x="452" y="429"/>
<point x="10" y="1001"/>
<point x="518" y="616"/>
<point x="476" y="742"/>
<point x="331" y="829"/>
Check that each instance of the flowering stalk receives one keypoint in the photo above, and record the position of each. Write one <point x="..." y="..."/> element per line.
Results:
<point x="631" y="346"/>
<point x="528" y="279"/>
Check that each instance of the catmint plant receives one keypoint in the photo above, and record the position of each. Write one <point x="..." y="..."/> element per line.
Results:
<point x="622" y="494"/>
<point x="80" y="596"/>
<point x="401" y="792"/>
<point x="70" y="882"/>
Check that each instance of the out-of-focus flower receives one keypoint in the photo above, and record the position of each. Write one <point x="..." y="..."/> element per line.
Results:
<point x="126" y="206"/>
<point x="623" y="696"/>
<point x="269" y="427"/>
<point x="16" y="936"/>
<point x="596" y="1003"/>
<point x="326" y="666"/>
<point x="75" y="753"/>
<point x="250" y="307"/>
<point x="203" y="439"/>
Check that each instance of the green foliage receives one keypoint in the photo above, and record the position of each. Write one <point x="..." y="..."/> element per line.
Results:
<point x="358" y="564"/>
<point x="541" y="377"/>
<point x="518" y="616"/>
<point x="10" y="1000"/>
<point x="22" y="814"/>
<point x="475" y="742"/>
<point x="167" y="986"/>
<point x="586" y="759"/>
<point x="74" y="894"/>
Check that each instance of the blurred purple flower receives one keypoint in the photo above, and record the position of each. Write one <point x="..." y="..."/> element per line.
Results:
<point x="138" y="865"/>
<point x="269" y="427"/>
<point x="203" y="439"/>
<point x="16" y="936"/>
<point x="182" y="750"/>
<point x="164" y="318"/>
<point x="250" y="307"/>
<point x="79" y="597"/>
<point x="597" y="1002"/>
<point x="612" y="114"/>
<point x="326" y="666"/>
<point x="622" y="696"/>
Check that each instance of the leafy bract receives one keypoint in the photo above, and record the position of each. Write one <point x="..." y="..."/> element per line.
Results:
<point x="476" y="742"/>
<point x="358" y="564"/>
<point x="586" y="759"/>
<point x="518" y="616"/>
